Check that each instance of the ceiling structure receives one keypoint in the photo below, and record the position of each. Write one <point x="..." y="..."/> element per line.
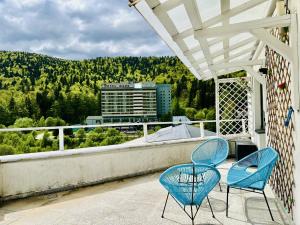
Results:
<point x="216" y="37"/>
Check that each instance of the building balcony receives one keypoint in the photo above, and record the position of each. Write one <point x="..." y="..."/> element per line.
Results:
<point x="117" y="184"/>
<point x="137" y="200"/>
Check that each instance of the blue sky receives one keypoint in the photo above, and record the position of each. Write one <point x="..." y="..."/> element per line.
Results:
<point x="77" y="29"/>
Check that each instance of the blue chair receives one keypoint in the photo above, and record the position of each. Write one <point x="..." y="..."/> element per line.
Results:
<point x="189" y="184"/>
<point x="252" y="173"/>
<point x="211" y="152"/>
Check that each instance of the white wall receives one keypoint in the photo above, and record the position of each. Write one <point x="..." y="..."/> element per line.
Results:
<point x="29" y="174"/>
<point x="296" y="9"/>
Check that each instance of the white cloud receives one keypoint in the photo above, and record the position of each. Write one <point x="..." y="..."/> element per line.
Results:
<point x="76" y="29"/>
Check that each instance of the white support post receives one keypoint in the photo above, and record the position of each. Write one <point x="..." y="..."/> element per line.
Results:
<point x="244" y="126"/>
<point x="295" y="73"/>
<point x="202" y="134"/>
<point x="217" y="107"/>
<point x="61" y="139"/>
<point x="145" y="130"/>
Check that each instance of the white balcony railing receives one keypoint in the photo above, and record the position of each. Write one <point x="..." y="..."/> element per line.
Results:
<point x="200" y="124"/>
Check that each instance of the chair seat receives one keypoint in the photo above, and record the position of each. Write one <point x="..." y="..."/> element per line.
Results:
<point x="236" y="175"/>
<point x="189" y="184"/>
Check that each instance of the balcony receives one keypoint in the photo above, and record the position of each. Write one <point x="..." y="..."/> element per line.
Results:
<point x="116" y="184"/>
<point x="138" y="200"/>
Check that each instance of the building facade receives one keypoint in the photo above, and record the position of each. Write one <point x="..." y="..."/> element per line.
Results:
<point x="94" y="120"/>
<point x="163" y="98"/>
<point x="128" y="102"/>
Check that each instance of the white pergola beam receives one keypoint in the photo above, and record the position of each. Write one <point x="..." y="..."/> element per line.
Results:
<point x="269" y="12"/>
<point x="236" y="55"/>
<point x="167" y="5"/>
<point x="195" y="18"/>
<point x="269" y="22"/>
<point x="224" y="16"/>
<point x="274" y="43"/>
<point x="232" y="12"/>
<point x="153" y="3"/>
<point x="225" y="6"/>
<point x="210" y="43"/>
<point x="242" y="64"/>
<point x="233" y="47"/>
<point x="227" y="71"/>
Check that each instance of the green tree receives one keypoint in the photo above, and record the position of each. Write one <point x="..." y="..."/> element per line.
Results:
<point x="200" y="115"/>
<point x="24" y="122"/>
<point x="190" y="113"/>
<point x="6" y="149"/>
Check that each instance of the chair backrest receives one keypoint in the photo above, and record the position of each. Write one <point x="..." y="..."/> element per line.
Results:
<point x="190" y="183"/>
<point x="266" y="160"/>
<point x="212" y="152"/>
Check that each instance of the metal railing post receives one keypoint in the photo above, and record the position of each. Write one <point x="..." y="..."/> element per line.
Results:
<point x="244" y="126"/>
<point x="61" y="139"/>
<point x="202" y="129"/>
<point x="145" y="130"/>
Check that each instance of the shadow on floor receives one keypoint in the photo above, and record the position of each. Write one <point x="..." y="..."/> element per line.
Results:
<point x="256" y="211"/>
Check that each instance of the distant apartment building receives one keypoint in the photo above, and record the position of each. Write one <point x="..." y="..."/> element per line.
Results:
<point x="129" y="102"/>
<point x="163" y="99"/>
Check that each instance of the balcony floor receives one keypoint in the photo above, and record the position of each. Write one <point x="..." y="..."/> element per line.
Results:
<point x="137" y="201"/>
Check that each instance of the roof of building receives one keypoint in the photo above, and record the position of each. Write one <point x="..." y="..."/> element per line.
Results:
<point x="182" y="131"/>
<point x="180" y="119"/>
<point x="94" y="118"/>
<point x="129" y="86"/>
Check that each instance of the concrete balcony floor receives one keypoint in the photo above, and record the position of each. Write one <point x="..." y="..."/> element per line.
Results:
<point x="137" y="201"/>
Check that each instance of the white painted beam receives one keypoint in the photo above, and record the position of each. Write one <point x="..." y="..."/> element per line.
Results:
<point x="232" y="12"/>
<point x="195" y="18"/>
<point x="269" y="12"/>
<point x="242" y="64"/>
<point x="153" y="3"/>
<point x="228" y="71"/>
<point x="224" y="16"/>
<point x="278" y="21"/>
<point x="225" y="6"/>
<point x="274" y="43"/>
<point x="167" y="5"/>
<point x="164" y="33"/>
<point x="233" y="47"/>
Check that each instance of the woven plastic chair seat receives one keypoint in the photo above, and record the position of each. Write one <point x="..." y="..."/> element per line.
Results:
<point x="211" y="152"/>
<point x="189" y="184"/>
<point x="241" y="175"/>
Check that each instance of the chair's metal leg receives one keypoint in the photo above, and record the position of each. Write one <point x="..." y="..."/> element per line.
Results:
<point x="268" y="205"/>
<point x="220" y="186"/>
<point x="227" y="201"/>
<point x="162" y="215"/>
<point x="212" y="212"/>
<point x="192" y="215"/>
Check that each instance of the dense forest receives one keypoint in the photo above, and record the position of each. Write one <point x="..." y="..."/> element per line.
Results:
<point x="38" y="90"/>
<point x="35" y="86"/>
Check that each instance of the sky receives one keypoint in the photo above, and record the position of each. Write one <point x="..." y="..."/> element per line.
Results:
<point x="77" y="29"/>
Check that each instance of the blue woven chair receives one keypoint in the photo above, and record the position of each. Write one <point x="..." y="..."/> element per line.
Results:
<point x="211" y="152"/>
<point x="189" y="184"/>
<point x="252" y="173"/>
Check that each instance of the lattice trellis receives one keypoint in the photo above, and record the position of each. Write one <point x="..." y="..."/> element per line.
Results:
<point x="279" y="136"/>
<point x="233" y="105"/>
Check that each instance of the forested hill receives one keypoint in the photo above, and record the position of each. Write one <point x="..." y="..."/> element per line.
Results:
<point x="35" y="86"/>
